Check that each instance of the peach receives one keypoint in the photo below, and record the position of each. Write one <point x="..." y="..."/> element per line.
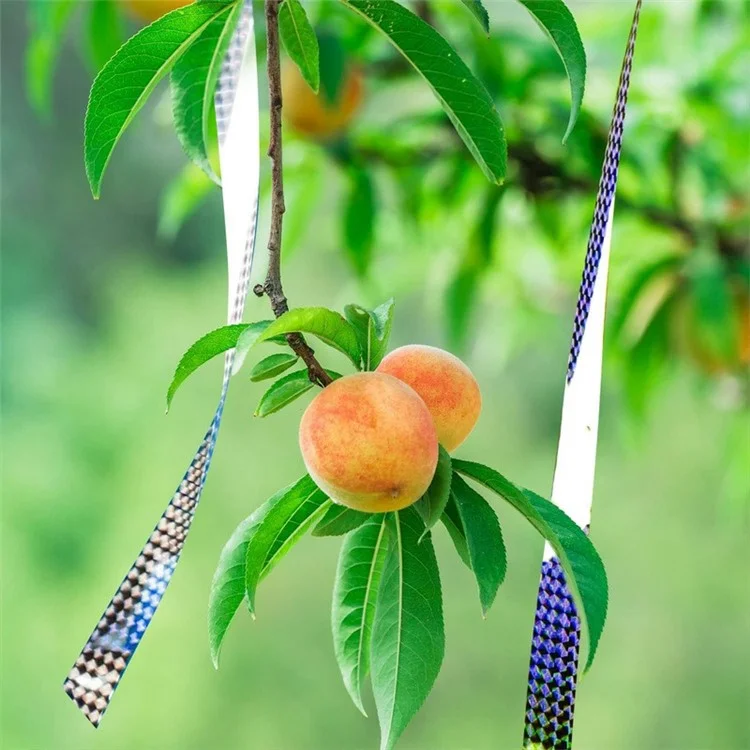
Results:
<point x="310" y="114"/>
<point x="444" y="383"/>
<point x="369" y="442"/>
<point x="150" y="10"/>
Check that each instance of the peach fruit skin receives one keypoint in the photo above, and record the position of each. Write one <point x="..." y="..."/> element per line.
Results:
<point x="150" y="10"/>
<point x="309" y="114"/>
<point x="444" y="383"/>
<point x="369" y="442"/>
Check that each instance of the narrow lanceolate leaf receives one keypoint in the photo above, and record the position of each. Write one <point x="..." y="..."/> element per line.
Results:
<point x="193" y="82"/>
<point x="408" y="637"/>
<point x="285" y="390"/>
<point x="228" y="587"/>
<point x="432" y="504"/>
<point x="484" y="540"/>
<point x="464" y="99"/>
<point x="373" y="329"/>
<point x="451" y="519"/>
<point x="207" y="347"/>
<point x="104" y="31"/>
<point x="48" y="21"/>
<point x="272" y="366"/>
<point x="359" y="221"/>
<point x="329" y="326"/>
<point x="181" y="199"/>
<point x="300" y="41"/>
<point x="291" y="516"/>
<point x="126" y="81"/>
<point x="558" y="22"/>
<point x="479" y="12"/>
<point x="333" y="63"/>
<point x="354" y="597"/>
<point x="582" y="564"/>
<point x="339" y="520"/>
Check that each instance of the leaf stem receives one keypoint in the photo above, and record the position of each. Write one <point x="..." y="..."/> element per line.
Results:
<point x="273" y="287"/>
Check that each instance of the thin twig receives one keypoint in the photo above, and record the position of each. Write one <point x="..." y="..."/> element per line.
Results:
<point x="273" y="287"/>
<point x="542" y="177"/>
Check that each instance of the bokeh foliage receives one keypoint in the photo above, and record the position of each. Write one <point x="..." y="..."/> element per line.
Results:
<point x="96" y="310"/>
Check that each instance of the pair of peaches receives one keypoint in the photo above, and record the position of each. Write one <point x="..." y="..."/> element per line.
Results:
<point x="370" y="440"/>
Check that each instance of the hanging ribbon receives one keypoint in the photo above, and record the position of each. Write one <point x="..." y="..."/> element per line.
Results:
<point x="98" y="670"/>
<point x="553" y="667"/>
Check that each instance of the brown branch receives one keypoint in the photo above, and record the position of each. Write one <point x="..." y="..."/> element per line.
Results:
<point x="541" y="177"/>
<point x="273" y="287"/>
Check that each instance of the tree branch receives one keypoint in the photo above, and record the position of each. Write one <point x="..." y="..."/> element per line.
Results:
<point x="273" y="287"/>
<point x="542" y="177"/>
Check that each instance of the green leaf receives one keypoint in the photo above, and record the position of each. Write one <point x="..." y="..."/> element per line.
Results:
<point x="649" y="288"/>
<point x="181" y="199"/>
<point x="104" y="31"/>
<point x="355" y="594"/>
<point x="359" y="221"/>
<point x="373" y="329"/>
<point x="710" y="310"/>
<point x="432" y="504"/>
<point x="285" y="390"/>
<point x="479" y="12"/>
<point x="329" y="326"/>
<point x="339" y="520"/>
<point x="484" y="540"/>
<point x="207" y="347"/>
<point x="462" y="293"/>
<point x="300" y="506"/>
<point x="193" y="83"/>
<point x="247" y="340"/>
<point x="126" y="81"/>
<point x="451" y="519"/>
<point x="460" y="302"/>
<point x="585" y="571"/>
<point x="272" y="366"/>
<point x="300" y="41"/>
<point x="408" y="637"/>
<point x="228" y="586"/>
<point x="557" y="21"/>
<point x="332" y="64"/>
<point x="48" y="20"/>
<point x="464" y="99"/>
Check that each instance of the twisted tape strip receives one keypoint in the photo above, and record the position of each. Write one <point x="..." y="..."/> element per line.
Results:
<point x="94" y="677"/>
<point x="553" y="666"/>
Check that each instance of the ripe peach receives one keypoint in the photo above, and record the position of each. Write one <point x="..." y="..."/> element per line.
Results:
<point x="701" y="350"/>
<point x="310" y="114"/>
<point x="150" y="10"/>
<point x="444" y="383"/>
<point x="369" y="442"/>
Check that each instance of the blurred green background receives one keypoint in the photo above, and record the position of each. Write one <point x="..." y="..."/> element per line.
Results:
<point x="96" y="310"/>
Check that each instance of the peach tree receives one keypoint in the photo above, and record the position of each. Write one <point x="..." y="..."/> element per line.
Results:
<point x="378" y="441"/>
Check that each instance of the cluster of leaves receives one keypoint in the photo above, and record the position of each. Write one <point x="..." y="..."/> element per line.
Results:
<point x="361" y="335"/>
<point x="387" y="602"/>
<point x="191" y="42"/>
<point x="684" y="189"/>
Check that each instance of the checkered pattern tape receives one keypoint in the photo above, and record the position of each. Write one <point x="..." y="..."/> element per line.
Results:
<point x="230" y="72"/>
<point x="99" y="668"/>
<point x="553" y="666"/>
<point x="605" y="195"/>
<point x="554" y="661"/>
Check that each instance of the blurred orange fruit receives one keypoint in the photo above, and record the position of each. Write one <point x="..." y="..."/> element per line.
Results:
<point x="712" y="360"/>
<point x="310" y="114"/>
<point x="150" y="10"/>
